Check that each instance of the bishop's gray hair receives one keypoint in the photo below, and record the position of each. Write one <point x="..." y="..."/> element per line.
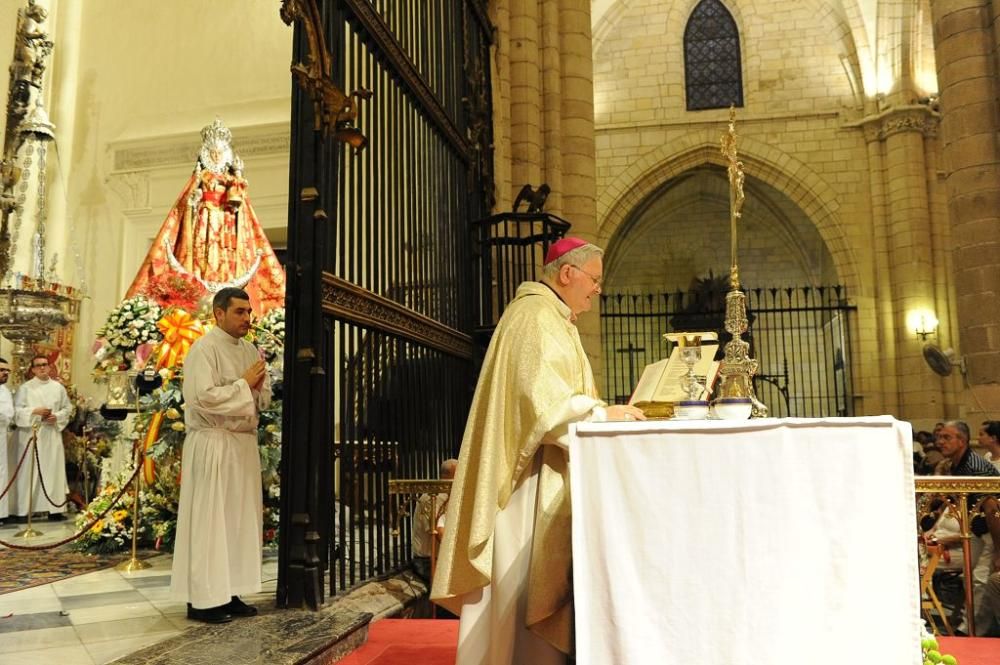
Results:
<point x="574" y="257"/>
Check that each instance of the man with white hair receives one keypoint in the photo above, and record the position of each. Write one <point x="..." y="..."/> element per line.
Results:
<point x="505" y="561"/>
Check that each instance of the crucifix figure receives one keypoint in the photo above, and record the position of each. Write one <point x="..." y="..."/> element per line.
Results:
<point x="734" y="168"/>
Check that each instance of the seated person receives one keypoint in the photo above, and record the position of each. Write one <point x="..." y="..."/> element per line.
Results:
<point x="989" y="439"/>
<point x="953" y="440"/>
<point x="428" y="523"/>
<point x="932" y="457"/>
<point x="988" y="611"/>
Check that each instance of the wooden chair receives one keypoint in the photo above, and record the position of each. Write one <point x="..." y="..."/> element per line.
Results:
<point x="928" y="599"/>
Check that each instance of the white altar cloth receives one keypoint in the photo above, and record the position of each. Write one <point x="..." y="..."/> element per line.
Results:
<point x="773" y="541"/>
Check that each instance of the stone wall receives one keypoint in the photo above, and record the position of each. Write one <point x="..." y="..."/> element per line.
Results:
<point x="811" y="139"/>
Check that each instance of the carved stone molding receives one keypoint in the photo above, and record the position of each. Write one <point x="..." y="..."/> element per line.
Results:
<point x="159" y="152"/>
<point x="132" y="187"/>
<point x="916" y="118"/>
<point x="354" y="304"/>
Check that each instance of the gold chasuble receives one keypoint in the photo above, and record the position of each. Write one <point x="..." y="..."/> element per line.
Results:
<point x="534" y="382"/>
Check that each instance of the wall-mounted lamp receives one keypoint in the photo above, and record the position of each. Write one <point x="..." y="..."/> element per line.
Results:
<point x="922" y="323"/>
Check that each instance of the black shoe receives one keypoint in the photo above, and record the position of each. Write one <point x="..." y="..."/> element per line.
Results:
<point x="218" y="614"/>
<point x="238" y="608"/>
<point x="57" y="517"/>
<point x="18" y="519"/>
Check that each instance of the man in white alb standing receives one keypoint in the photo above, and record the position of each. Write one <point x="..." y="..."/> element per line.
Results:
<point x="6" y="416"/>
<point x="217" y="555"/>
<point x="42" y="401"/>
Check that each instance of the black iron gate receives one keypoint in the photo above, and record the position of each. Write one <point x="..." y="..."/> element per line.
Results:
<point x="380" y="301"/>
<point x="800" y="337"/>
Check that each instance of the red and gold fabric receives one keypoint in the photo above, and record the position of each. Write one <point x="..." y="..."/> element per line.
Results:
<point x="215" y="236"/>
<point x="152" y="434"/>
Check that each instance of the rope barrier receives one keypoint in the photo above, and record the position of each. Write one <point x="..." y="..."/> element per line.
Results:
<point x="20" y="463"/>
<point x="41" y="476"/>
<point x="90" y="524"/>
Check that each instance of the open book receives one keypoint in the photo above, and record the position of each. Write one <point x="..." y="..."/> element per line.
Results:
<point x="661" y="381"/>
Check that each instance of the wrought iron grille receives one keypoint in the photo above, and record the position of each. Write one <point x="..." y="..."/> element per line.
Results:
<point x="385" y="284"/>
<point x="800" y="337"/>
<point x="508" y="249"/>
<point x="713" y="74"/>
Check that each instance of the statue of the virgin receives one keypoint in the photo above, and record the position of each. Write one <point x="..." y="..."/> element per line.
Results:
<point x="212" y="235"/>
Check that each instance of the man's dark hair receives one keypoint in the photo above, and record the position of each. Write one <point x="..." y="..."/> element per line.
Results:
<point x="962" y="428"/>
<point x="37" y="356"/>
<point x="3" y="360"/>
<point x="224" y="296"/>
<point x="991" y="427"/>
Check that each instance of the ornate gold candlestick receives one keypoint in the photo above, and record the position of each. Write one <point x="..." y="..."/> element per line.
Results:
<point x="738" y="367"/>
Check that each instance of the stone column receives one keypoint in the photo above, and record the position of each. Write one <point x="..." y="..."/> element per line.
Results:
<point x="884" y="384"/>
<point x="579" y="166"/>
<point x="904" y="279"/>
<point x="965" y="43"/>
<point x="525" y="95"/>
<point x="545" y="61"/>
<point x="912" y="268"/>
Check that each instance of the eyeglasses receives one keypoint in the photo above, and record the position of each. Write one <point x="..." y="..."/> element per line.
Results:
<point x="598" y="281"/>
<point x="40" y="365"/>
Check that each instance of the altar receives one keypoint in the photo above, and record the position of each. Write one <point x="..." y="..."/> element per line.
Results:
<point x="778" y="541"/>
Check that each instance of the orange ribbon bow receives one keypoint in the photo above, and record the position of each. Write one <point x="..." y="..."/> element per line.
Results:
<point x="180" y="330"/>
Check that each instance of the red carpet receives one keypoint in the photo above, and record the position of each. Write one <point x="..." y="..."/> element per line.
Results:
<point x="972" y="650"/>
<point x="409" y="642"/>
<point x="430" y="642"/>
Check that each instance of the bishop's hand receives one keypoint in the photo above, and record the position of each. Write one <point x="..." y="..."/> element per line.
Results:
<point x="625" y="412"/>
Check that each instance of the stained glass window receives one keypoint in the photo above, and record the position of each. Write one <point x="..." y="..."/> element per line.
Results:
<point x="712" y="71"/>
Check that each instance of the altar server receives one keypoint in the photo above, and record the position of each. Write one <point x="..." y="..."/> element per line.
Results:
<point x="505" y="561"/>
<point x="6" y="417"/>
<point x="217" y="555"/>
<point x="42" y="401"/>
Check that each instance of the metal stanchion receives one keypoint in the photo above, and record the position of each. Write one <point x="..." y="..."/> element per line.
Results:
<point x="28" y="531"/>
<point x="134" y="563"/>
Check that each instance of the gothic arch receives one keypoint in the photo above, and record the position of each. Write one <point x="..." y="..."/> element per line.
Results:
<point x="816" y="198"/>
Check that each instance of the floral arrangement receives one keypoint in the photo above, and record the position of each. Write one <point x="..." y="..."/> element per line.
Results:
<point x="270" y="337"/>
<point x="929" y="649"/>
<point x="127" y="336"/>
<point x="269" y="441"/>
<point x="174" y="289"/>
<point x="113" y="532"/>
<point x="158" y="505"/>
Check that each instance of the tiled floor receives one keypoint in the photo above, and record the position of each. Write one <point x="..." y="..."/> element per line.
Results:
<point x="94" y="618"/>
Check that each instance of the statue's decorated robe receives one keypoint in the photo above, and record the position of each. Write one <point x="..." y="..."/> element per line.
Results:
<point x="212" y="235"/>
<point x="505" y="560"/>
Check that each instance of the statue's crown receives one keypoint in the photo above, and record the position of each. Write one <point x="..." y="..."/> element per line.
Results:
<point x="216" y="133"/>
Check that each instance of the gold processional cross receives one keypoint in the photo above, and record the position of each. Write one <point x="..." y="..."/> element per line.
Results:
<point x="734" y="167"/>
